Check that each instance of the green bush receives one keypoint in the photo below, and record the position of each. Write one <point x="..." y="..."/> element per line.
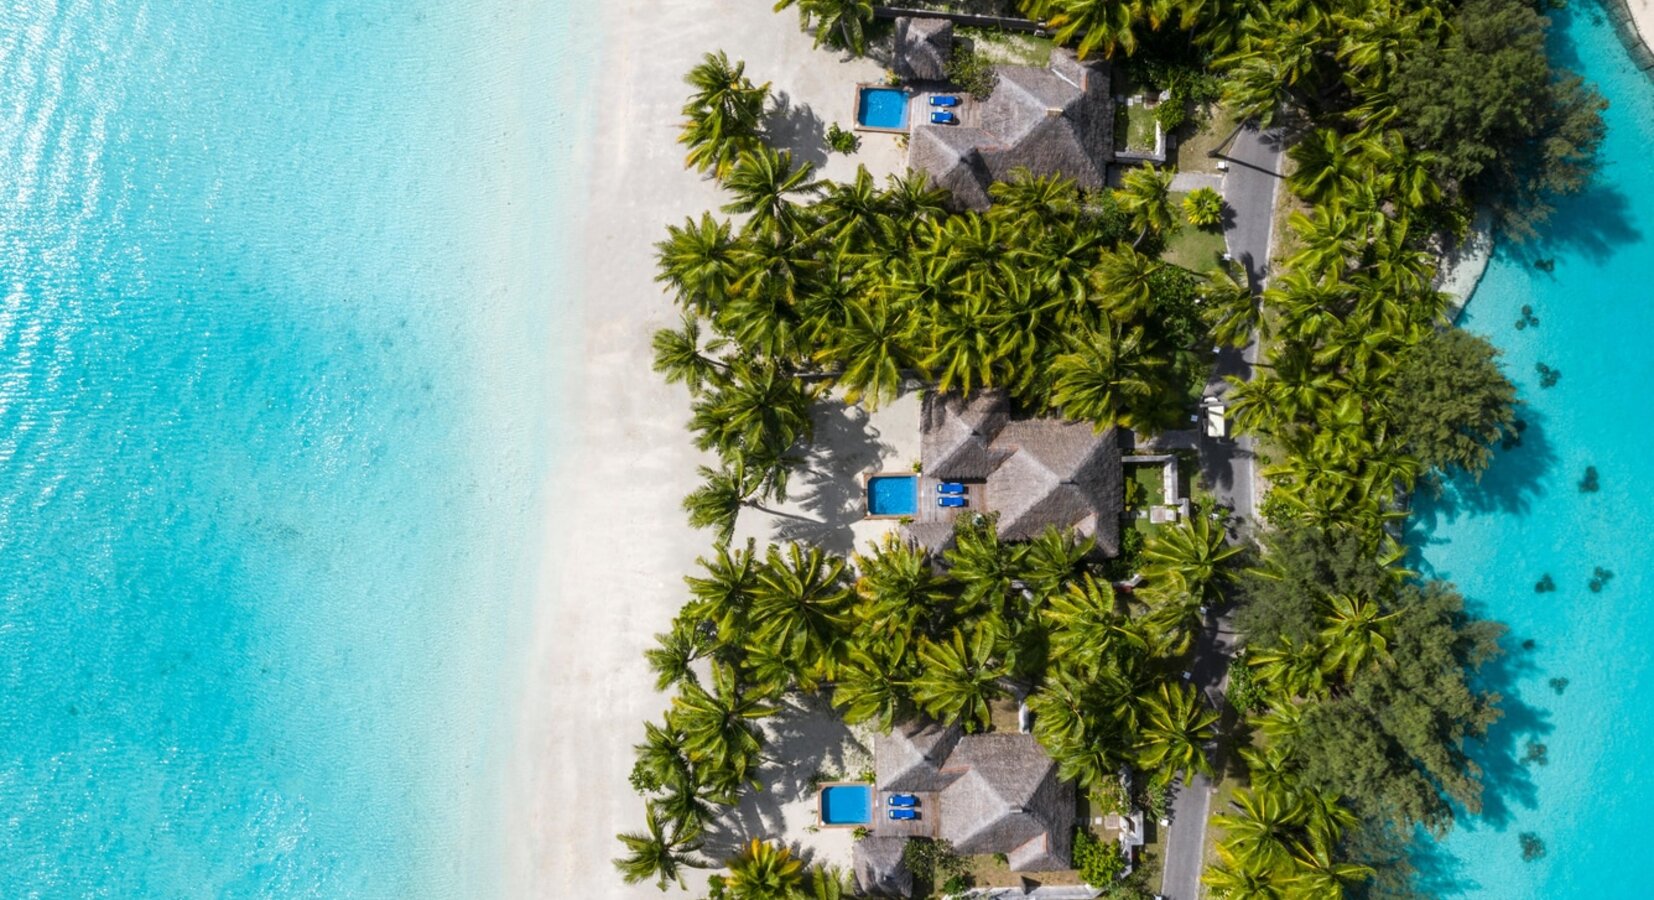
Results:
<point x="1099" y="862"/>
<point x="972" y="72"/>
<point x="1245" y="694"/>
<point x="1203" y="208"/>
<point x="841" y="140"/>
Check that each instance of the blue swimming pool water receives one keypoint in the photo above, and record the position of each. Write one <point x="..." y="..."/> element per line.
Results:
<point x="892" y="495"/>
<point x="882" y="107"/>
<point x="1529" y="518"/>
<point x="847" y="804"/>
<point x="276" y="282"/>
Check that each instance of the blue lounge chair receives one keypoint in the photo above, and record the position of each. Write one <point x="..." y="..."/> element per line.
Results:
<point x="904" y="800"/>
<point x="943" y="118"/>
<point x="944" y="100"/>
<point x="904" y="815"/>
<point x="951" y="488"/>
<point x="947" y="502"/>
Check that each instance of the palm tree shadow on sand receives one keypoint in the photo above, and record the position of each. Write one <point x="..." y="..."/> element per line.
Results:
<point x="804" y="739"/>
<point x="828" y="487"/>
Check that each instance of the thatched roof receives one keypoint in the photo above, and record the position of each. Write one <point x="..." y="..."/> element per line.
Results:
<point x="1009" y="800"/>
<point x="1052" y="121"/>
<point x="1035" y="472"/>
<point x="922" y="48"/>
<point x="995" y="793"/>
<point x="879" y="867"/>
<point x="909" y="759"/>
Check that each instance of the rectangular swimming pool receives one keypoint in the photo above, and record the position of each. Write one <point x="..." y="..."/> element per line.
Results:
<point x="847" y="804"/>
<point x="882" y="107"/>
<point x="892" y="495"/>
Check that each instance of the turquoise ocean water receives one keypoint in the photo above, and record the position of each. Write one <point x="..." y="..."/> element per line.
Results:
<point x="277" y="286"/>
<point x="1590" y="802"/>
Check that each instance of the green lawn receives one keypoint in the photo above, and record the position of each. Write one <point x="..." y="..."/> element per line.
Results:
<point x="1150" y="477"/>
<point x="1134" y="128"/>
<point x="1012" y="48"/>
<point x="1193" y="248"/>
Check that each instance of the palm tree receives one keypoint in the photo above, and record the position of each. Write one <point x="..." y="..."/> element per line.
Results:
<point x="984" y="566"/>
<point x="1260" y="833"/>
<point x="1055" y="560"/>
<point x="873" y="687"/>
<point x="1146" y="195"/>
<point x="912" y="204"/>
<point x="761" y="410"/>
<point x="1203" y="208"/>
<point x="1107" y="379"/>
<point x="1236" y="880"/>
<point x="764" y="183"/>
<point x="764" y="870"/>
<point x="1230" y="309"/>
<point x="1289" y="667"/>
<point x="674" y="652"/>
<point x="723" y="597"/>
<point x="1175" y="727"/>
<point x="1317" y="875"/>
<point x="898" y="590"/>
<point x="1125" y="281"/>
<point x="841" y="24"/>
<point x="1086" y="624"/>
<point x="958" y="677"/>
<point x="873" y="348"/>
<point x="717" y="503"/>
<point x="828" y="883"/>
<point x="698" y="261"/>
<point x="854" y="214"/>
<point x="717" y="727"/>
<point x="680" y="357"/>
<point x="1189" y="557"/>
<point x="1031" y="201"/>
<point x="661" y="852"/>
<point x="722" y="116"/>
<point x="801" y="604"/>
<point x="1106" y="24"/>
<point x="1355" y="631"/>
<point x="970" y="338"/>
<point x="661" y="761"/>
<point x="1331" y="165"/>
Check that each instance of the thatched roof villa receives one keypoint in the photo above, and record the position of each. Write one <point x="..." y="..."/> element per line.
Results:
<point x="1057" y="120"/>
<point x="984" y="793"/>
<point x="1033" y="472"/>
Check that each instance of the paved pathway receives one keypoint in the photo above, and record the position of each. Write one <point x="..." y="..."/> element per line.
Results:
<point x="1229" y="466"/>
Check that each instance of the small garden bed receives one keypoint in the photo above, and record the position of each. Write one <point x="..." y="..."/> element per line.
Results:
<point x="1135" y="128"/>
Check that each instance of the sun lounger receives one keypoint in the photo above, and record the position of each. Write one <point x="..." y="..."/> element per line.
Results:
<point x="943" y="118"/>
<point x="944" y="100"/>
<point x="904" y="815"/>
<point x="951" y="488"/>
<point x="904" y="800"/>
<point x="950" y="502"/>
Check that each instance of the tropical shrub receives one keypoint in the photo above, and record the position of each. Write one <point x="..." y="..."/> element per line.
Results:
<point x="842" y="140"/>
<point x="971" y="71"/>
<point x="1203" y="208"/>
<point x="1099" y="862"/>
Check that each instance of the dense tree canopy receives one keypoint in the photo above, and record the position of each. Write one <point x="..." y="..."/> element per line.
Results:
<point x="1497" y="115"/>
<point x="1452" y="401"/>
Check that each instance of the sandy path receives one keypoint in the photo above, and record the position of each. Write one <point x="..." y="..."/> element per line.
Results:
<point x="618" y="546"/>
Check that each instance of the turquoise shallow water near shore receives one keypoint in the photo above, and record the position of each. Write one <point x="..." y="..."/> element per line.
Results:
<point x="1530" y="517"/>
<point x="277" y="283"/>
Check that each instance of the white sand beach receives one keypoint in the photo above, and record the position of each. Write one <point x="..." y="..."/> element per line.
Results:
<point x="618" y="546"/>
<point x="1642" y="16"/>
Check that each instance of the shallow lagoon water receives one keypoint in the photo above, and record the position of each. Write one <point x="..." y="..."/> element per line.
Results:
<point x="277" y="287"/>
<point x="1530" y="517"/>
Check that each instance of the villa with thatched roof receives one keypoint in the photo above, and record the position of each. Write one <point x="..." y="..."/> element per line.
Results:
<point x="1032" y="472"/>
<point x="921" y="49"/>
<point x="1057" y="120"/>
<point x="983" y="793"/>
